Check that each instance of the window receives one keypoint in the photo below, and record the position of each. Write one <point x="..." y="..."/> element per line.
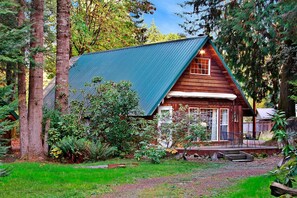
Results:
<point x="165" y="118"/>
<point x="194" y="115"/>
<point x="224" y="123"/>
<point x="208" y="117"/>
<point x="200" y="66"/>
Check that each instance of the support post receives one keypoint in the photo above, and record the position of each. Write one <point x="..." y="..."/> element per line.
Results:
<point x="254" y="118"/>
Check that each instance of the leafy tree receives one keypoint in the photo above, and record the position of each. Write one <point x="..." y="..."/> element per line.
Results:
<point x="153" y="35"/>
<point x="105" y="115"/>
<point x="110" y="113"/>
<point x="103" y="25"/>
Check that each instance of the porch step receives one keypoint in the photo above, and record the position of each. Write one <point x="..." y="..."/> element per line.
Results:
<point x="243" y="160"/>
<point x="231" y="152"/>
<point x="236" y="156"/>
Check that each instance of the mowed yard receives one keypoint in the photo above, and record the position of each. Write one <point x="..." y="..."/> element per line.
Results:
<point x="171" y="178"/>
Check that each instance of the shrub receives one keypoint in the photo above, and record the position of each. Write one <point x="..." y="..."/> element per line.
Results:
<point x="104" y="119"/>
<point x="110" y="111"/>
<point x="288" y="171"/>
<point x="72" y="149"/>
<point x="150" y="151"/>
<point x="183" y="130"/>
<point x="6" y="107"/>
<point x="105" y="113"/>
<point x="76" y="150"/>
<point x="100" y="151"/>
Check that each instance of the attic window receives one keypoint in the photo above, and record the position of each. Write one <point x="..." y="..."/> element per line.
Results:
<point x="200" y="66"/>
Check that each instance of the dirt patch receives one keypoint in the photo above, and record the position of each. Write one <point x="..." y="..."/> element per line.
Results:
<point x="202" y="182"/>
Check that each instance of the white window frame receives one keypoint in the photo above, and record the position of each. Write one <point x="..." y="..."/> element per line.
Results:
<point x="170" y="109"/>
<point x="217" y="117"/>
<point x="190" y="112"/>
<point x="227" y="119"/>
<point x="209" y="61"/>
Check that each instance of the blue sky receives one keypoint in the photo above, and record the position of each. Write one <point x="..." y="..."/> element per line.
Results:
<point x="165" y="18"/>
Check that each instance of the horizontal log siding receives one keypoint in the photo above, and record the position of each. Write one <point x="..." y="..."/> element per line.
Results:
<point x="216" y="82"/>
<point x="204" y="103"/>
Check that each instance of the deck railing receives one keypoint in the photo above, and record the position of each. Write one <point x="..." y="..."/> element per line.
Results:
<point x="236" y="139"/>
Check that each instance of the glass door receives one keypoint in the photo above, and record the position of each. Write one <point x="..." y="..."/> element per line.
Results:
<point x="210" y="118"/>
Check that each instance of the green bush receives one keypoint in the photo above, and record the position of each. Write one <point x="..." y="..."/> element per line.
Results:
<point x="76" y="150"/>
<point x="73" y="149"/>
<point x="100" y="151"/>
<point x="287" y="173"/>
<point x="6" y="107"/>
<point x="104" y="116"/>
<point x="150" y="151"/>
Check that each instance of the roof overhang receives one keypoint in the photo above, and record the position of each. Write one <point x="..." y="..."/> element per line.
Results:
<point x="183" y="94"/>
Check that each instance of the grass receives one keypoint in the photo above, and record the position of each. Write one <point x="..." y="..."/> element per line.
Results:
<point x="164" y="190"/>
<point x="256" y="187"/>
<point x="58" y="180"/>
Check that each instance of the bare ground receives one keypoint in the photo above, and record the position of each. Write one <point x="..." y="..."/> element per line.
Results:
<point x="198" y="183"/>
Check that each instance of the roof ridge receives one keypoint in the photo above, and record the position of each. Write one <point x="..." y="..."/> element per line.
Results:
<point x="145" y="45"/>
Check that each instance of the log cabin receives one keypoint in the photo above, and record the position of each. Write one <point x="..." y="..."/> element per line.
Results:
<point x="189" y="72"/>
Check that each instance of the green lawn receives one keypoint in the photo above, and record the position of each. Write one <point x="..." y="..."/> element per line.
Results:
<point x="256" y="187"/>
<point x="56" y="180"/>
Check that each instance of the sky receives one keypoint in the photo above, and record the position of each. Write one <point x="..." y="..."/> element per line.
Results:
<point x="164" y="17"/>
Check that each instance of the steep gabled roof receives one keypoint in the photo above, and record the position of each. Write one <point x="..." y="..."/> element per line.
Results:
<point x="152" y="69"/>
<point x="249" y="110"/>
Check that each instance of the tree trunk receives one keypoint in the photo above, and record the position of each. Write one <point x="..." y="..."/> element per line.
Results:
<point x="36" y="82"/>
<point x="288" y="73"/>
<point x="23" y="114"/>
<point x="63" y="49"/>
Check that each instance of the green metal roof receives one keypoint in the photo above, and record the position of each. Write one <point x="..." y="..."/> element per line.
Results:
<point x="250" y="111"/>
<point x="153" y="69"/>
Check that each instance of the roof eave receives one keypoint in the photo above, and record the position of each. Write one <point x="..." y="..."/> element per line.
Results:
<point x="232" y="77"/>
<point x="206" y="38"/>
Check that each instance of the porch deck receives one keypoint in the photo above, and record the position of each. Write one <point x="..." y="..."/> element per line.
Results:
<point x="248" y="146"/>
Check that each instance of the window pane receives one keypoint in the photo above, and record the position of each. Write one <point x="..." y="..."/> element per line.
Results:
<point x="224" y="124"/>
<point x="209" y="117"/>
<point x="200" y="66"/>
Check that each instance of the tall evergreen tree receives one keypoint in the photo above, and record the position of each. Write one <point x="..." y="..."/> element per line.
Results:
<point x="36" y="81"/>
<point x="286" y="55"/>
<point x="250" y="33"/>
<point x="63" y="52"/>
<point x="22" y="90"/>
<point x="6" y="107"/>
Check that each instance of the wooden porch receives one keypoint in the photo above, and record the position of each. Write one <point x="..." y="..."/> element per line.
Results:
<point x="248" y="146"/>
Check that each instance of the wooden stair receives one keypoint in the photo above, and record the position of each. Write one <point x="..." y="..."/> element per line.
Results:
<point x="236" y="156"/>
